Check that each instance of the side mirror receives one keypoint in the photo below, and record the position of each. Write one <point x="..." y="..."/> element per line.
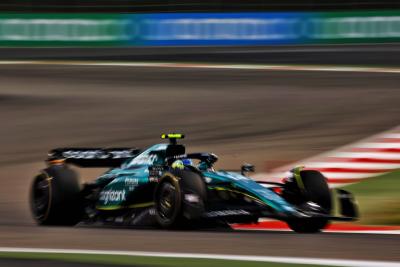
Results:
<point x="246" y="168"/>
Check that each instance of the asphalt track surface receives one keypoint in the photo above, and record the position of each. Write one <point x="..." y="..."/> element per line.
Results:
<point x="342" y="54"/>
<point x="265" y="117"/>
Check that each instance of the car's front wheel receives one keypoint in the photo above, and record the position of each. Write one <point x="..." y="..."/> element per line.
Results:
<point x="315" y="192"/>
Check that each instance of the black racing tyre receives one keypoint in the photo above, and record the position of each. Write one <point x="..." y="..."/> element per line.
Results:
<point x="168" y="203"/>
<point x="171" y="208"/>
<point x="316" y="190"/>
<point x="55" y="197"/>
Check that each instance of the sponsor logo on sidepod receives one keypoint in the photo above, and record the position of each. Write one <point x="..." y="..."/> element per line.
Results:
<point x="112" y="196"/>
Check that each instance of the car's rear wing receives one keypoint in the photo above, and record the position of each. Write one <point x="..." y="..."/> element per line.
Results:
<point x="92" y="157"/>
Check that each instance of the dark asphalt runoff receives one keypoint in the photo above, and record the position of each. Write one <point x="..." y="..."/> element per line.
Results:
<point x="263" y="117"/>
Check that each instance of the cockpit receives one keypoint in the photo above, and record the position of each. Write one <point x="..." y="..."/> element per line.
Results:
<point x="167" y="154"/>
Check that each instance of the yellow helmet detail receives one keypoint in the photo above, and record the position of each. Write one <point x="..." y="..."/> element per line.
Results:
<point x="178" y="164"/>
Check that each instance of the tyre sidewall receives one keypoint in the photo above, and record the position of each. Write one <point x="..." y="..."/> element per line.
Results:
<point x="185" y="182"/>
<point x="315" y="189"/>
<point x="173" y="220"/>
<point x="65" y="201"/>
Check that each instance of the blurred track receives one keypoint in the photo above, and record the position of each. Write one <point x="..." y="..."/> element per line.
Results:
<point x="253" y="116"/>
<point x="342" y="54"/>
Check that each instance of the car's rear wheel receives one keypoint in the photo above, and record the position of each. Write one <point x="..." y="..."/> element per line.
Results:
<point x="314" y="189"/>
<point x="55" y="197"/>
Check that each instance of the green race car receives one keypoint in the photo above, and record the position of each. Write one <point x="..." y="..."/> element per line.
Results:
<point x="163" y="186"/>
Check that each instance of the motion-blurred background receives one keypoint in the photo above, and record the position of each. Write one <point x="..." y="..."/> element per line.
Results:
<point x="336" y="83"/>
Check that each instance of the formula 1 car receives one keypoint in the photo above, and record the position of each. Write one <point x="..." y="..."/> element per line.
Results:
<point x="166" y="187"/>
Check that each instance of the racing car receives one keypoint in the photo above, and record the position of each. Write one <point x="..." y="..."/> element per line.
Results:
<point x="163" y="186"/>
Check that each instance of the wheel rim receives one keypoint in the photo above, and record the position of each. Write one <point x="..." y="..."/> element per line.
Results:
<point x="167" y="201"/>
<point x="40" y="197"/>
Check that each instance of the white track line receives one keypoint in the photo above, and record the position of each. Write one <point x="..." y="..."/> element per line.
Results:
<point x="369" y="155"/>
<point x="391" y="135"/>
<point x="210" y="66"/>
<point x="377" y="145"/>
<point x="348" y="175"/>
<point x="291" y="260"/>
<point x="355" y="165"/>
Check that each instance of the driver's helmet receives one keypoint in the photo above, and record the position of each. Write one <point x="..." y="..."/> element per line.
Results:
<point x="181" y="163"/>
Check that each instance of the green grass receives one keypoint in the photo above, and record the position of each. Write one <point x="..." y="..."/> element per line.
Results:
<point x="378" y="199"/>
<point x="142" y="261"/>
